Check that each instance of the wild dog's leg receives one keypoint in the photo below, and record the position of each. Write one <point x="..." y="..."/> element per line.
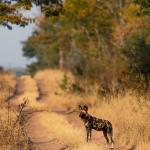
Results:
<point x="106" y="137"/>
<point x="112" y="141"/>
<point x="87" y="133"/>
<point x="110" y="135"/>
<point x="90" y="134"/>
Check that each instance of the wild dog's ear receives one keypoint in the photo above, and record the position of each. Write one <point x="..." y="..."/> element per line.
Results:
<point x="85" y="107"/>
<point x="80" y="107"/>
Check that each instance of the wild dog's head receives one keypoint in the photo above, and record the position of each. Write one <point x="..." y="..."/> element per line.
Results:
<point x="83" y="112"/>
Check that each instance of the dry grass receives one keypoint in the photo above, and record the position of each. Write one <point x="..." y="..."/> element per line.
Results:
<point x="28" y="90"/>
<point x="11" y="133"/>
<point x="7" y="86"/>
<point x="129" y="114"/>
<point x="130" y="119"/>
<point x="53" y="79"/>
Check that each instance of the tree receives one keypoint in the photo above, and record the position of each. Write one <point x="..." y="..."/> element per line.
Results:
<point x="8" y="13"/>
<point x="82" y="35"/>
<point x="137" y="50"/>
<point x="10" y="10"/>
<point x="145" y="6"/>
<point x="131" y="39"/>
<point x="94" y="40"/>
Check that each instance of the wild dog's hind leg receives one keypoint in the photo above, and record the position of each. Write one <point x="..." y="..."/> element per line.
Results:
<point x="106" y="137"/>
<point x="112" y="142"/>
<point x="110" y="135"/>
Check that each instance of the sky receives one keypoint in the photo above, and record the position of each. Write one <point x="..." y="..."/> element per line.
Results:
<point x="10" y="43"/>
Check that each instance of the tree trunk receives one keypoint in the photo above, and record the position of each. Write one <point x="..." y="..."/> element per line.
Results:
<point x="61" y="59"/>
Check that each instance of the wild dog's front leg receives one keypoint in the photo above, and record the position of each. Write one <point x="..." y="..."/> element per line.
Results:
<point x="88" y="133"/>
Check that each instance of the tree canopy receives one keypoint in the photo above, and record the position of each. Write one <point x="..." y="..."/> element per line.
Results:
<point x="145" y="6"/>
<point x="10" y="10"/>
<point x="103" y="43"/>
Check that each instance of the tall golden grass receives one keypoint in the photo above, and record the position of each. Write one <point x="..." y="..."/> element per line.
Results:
<point x="129" y="114"/>
<point x="130" y="118"/>
<point x="11" y="133"/>
<point x="27" y="90"/>
<point x="7" y="85"/>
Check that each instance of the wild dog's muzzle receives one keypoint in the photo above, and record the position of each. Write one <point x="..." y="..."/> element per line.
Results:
<point x="82" y="115"/>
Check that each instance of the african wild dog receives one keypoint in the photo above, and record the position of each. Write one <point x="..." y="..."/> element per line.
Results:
<point x="91" y="122"/>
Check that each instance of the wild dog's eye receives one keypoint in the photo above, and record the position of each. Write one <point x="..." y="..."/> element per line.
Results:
<point x="80" y="107"/>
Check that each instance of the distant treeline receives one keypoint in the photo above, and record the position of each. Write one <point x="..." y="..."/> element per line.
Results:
<point x="105" y="44"/>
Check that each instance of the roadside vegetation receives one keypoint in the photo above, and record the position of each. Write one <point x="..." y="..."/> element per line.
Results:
<point x="12" y="133"/>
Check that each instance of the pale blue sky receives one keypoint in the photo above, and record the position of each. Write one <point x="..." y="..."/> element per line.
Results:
<point x="10" y="43"/>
